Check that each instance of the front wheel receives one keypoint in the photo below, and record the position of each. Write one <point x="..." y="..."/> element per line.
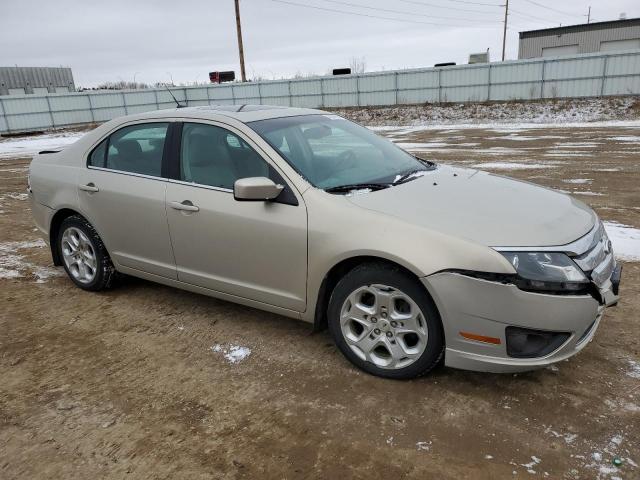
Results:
<point x="385" y="323"/>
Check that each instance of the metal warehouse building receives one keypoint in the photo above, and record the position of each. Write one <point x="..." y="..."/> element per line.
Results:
<point x="587" y="38"/>
<point x="35" y="80"/>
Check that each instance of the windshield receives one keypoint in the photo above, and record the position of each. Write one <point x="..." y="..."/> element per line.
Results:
<point x="330" y="151"/>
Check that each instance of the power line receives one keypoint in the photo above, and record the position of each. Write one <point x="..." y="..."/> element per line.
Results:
<point x="522" y="14"/>
<point x="476" y="3"/>
<point x="426" y="4"/>
<point x="552" y="9"/>
<point x="373" y="16"/>
<point x="357" y="5"/>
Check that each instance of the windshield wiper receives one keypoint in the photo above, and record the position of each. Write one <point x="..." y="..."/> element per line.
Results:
<point x="357" y="186"/>
<point x="410" y="175"/>
<point x="431" y="165"/>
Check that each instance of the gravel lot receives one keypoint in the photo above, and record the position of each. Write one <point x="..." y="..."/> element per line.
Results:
<point x="144" y="380"/>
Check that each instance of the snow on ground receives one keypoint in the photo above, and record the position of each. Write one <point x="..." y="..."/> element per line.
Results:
<point x="627" y="138"/>
<point x="634" y="369"/>
<point x="578" y="181"/>
<point x="28" y="146"/>
<point x="509" y="128"/>
<point x="14" y="265"/>
<point x="499" y="113"/>
<point x="512" y="166"/>
<point x="232" y="353"/>
<point x="625" y="240"/>
<point x="588" y="193"/>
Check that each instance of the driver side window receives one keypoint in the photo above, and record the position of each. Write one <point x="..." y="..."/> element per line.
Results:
<point x="216" y="157"/>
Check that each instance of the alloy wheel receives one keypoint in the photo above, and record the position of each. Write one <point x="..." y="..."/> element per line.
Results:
<point x="384" y="326"/>
<point x="79" y="255"/>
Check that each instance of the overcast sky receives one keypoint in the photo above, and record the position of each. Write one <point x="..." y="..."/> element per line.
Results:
<point x="184" y="40"/>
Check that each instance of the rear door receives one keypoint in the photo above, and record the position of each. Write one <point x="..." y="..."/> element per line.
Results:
<point x="254" y="250"/>
<point x="122" y="193"/>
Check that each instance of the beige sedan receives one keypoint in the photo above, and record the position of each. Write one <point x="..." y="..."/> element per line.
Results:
<point x="305" y="214"/>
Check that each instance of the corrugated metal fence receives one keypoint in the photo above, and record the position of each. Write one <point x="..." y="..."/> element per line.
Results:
<point x="563" y="77"/>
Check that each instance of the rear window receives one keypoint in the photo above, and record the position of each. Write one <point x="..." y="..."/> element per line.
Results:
<point x="134" y="149"/>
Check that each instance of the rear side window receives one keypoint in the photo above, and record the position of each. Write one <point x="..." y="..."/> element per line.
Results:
<point x="99" y="155"/>
<point x="134" y="149"/>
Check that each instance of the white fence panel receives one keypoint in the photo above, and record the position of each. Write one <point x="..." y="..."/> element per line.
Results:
<point x="466" y="76"/>
<point x="431" y="95"/>
<point x="515" y="91"/>
<point x="72" y="117"/>
<point x="573" y="88"/>
<point x="588" y="75"/>
<point x="340" y="85"/>
<point x="105" y="114"/>
<point x="22" y="104"/>
<point x="339" y="100"/>
<point x="104" y="100"/>
<point x="378" y="98"/>
<point x="415" y="80"/>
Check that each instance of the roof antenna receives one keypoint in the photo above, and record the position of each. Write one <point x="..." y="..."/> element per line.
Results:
<point x="178" y="104"/>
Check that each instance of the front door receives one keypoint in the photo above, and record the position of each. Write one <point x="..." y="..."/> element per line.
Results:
<point x="122" y="193"/>
<point x="254" y="250"/>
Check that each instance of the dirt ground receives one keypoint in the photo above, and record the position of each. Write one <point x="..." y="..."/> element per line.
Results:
<point x="126" y="384"/>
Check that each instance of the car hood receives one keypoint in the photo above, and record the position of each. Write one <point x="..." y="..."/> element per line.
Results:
<point x="488" y="209"/>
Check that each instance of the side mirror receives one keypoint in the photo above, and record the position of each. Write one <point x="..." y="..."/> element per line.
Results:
<point x="255" y="189"/>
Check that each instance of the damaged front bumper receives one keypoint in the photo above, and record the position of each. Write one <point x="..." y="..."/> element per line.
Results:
<point x="488" y="308"/>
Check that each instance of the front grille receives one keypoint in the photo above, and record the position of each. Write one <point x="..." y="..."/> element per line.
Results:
<point x="598" y="261"/>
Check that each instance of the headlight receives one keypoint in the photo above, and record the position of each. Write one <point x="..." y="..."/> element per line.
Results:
<point x="548" y="271"/>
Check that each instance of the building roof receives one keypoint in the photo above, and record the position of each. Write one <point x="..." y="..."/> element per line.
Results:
<point x="584" y="27"/>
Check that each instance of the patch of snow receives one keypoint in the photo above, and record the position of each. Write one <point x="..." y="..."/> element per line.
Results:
<point x="359" y="191"/>
<point x="512" y="166"/>
<point x="625" y="240"/>
<point x="634" y="369"/>
<point x="232" y="353"/>
<point x="515" y="126"/>
<point x="28" y="146"/>
<point x="578" y="144"/>
<point x="627" y="138"/>
<point x="421" y="146"/>
<point x="499" y="115"/>
<point x="14" y="265"/>
<point x="607" y="170"/>
<point x="578" y="181"/>
<point x="423" y="446"/>
<point x="567" y="154"/>
<point x="18" y="196"/>
<point x="590" y="194"/>
<point x="488" y="457"/>
<point x="514" y="137"/>
<point x="529" y="466"/>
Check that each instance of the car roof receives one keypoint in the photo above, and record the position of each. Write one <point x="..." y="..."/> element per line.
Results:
<point x="243" y="113"/>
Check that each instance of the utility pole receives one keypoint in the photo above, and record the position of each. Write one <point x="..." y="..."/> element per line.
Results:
<point x="504" y="35"/>
<point x="240" y="49"/>
<point x="589" y="15"/>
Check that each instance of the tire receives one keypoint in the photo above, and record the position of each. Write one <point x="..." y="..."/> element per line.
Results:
<point x="382" y="298"/>
<point x="89" y="266"/>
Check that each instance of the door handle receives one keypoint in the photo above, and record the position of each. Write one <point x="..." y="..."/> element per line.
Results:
<point x="186" y="206"/>
<point x="89" y="187"/>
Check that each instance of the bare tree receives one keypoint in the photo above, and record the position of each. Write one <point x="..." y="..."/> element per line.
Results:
<point x="358" y="65"/>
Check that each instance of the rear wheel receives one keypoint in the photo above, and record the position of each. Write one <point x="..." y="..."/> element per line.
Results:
<point x="84" y="256"/>
<point x="385" y="323"/>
